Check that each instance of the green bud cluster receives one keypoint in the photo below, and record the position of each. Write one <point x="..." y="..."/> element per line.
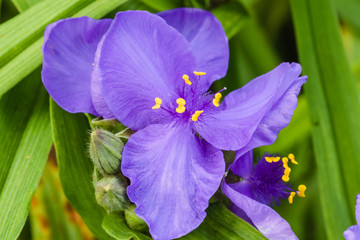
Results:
<point x="110" y="193"/>
<point x="110" y="185"/>
<point x="105" y="151"/>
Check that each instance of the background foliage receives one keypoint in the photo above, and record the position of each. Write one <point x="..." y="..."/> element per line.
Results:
<point x="323" y="35"/>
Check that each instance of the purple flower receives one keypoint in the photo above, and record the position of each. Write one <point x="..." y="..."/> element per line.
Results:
<point x="353" y="232"/>
<point x="260" y="186"/>
<point x="152" y="72"/>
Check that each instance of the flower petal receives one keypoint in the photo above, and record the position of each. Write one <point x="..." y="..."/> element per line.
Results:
<point x="173" y="174"/>
<point x="68" y="50"/>
<point x="206" y="36"/>
<point x="243" y="164"/>
<point x="232" y="125"/>
<point x="352" y="233"/>
<point x="96" y="88"/>
<point x="265" y="219"/>
<point x="142" y="58"/>
<point x="357" y="209"/>
<point x="276" y="119"/>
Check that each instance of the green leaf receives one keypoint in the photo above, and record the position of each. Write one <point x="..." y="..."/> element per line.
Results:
<point x="26" y="169"/>
<point x="15" y="110"/>
<point x="115" y="225"/>
<point x="29" y="59"/>
<point x="71" y="135"/>
<point x="162" y="5"/>
<point x="334" y="109"/>
<point x="22" y="5"/>
<point x="232" y="16"/>
<point x="25" y="28"/>
<point x="220" y="223"/>
<point x="51" y="199"/>
<point x="349" y="11"/>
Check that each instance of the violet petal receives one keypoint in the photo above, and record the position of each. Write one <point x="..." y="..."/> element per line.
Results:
<point x="173" y="174"/>
<point x="244" y="164"/>
<point x="265" y="219"/>
<point x="232" y="126"/>
<point x="142" y="58"/>
<point x="207" y="38"/>
<point x="68" y="50"/>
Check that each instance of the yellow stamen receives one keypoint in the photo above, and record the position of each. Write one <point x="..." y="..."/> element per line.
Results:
<point x="276" y="159"/>
<point x="216" y="100"/>
<point x="158" y="102"/>
<point x="301" y="189"/>
<point x="287" y="171"/>
<point x="196" y="115"/>
<point x="181" y="108"/>
<point x="269" y="159"/>
<point x="199" y="73"/>
<point x="292" y="159"/>
<point x="186" y="79"/>
<point x="285" y="178"/>
<point x="290" y="198"/>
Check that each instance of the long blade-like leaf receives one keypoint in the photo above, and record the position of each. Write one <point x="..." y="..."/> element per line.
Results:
<point x="26" y="170"/>
<point x="23" y="29"/>
<point x="224" y="225"/>
<point x="29" y="59"/>
<point x="334" y="109"/>
<point x="71" y="134"/>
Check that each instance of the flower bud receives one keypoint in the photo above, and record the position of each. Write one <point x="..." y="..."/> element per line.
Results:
<point x="111" y="125"/>
<point x="133" y="221"/>
<point x="105" y="151"/>
<point x="110" y="193"/>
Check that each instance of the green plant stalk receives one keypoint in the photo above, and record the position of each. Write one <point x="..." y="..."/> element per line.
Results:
<point x="334" y="110"/>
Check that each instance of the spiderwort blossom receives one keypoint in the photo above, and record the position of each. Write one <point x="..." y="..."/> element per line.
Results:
<point x="260" y="186"/>
<point x="152" y="72"/>
<point x="353" y="232"/>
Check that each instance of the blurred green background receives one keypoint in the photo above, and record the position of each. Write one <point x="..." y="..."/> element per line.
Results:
<point x="324" y="134"/>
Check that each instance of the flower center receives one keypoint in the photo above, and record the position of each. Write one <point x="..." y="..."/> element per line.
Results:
<point x="197" y="104"/>
<point x="269" y="177"/>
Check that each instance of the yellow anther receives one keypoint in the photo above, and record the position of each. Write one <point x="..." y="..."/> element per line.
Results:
<point x="276" y="159"/>
<point x="186" y="79"/>
<point x="292" y="159"/>
<point x="196" y="115"/>
<point x="285" y="178"/>
<point x="301" y="189"/>
<point x="181" y="108"/>
<point x="269" y="159"/>
<point x="287" y="171"/>
<point x="216" y="100"/>
<point x="199" y="73"/>
<point x="158" y="102"/>
<point x="291" y="197"/>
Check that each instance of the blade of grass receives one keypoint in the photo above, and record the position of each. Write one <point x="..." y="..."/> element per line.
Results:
<point x="232" y="16"/>
<point x="15" y="110"/>
<point x="25" y="28"/>
<point x="31" y="57"/>
<point x="332" y="97"/>
<point x="349" y="11"/>
<point x="26" y="170"/>
<point x="22" y="5"/>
